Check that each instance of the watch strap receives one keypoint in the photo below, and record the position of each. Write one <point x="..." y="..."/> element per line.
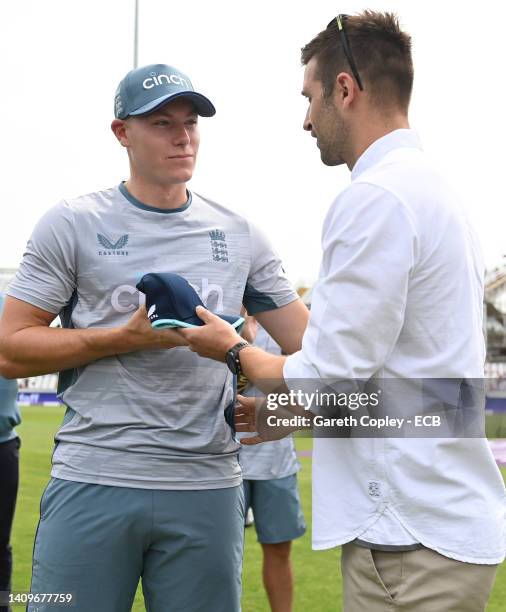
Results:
<point x="233" y="355"/>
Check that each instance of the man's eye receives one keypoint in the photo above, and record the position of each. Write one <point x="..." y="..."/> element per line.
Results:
<point x="161" y="122"/>
<point x="192" y="122"/>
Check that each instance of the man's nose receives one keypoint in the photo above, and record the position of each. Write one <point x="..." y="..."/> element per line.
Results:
<point x="181" y="136"/>
<point x="307" y="123"/>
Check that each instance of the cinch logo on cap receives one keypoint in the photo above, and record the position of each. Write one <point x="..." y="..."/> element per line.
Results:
<point x="147" y="88"/>
<point x="164" y="79"/>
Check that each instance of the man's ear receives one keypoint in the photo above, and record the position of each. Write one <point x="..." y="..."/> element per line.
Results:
<point x="118" y="126"/>
<point x="345" y="90"/>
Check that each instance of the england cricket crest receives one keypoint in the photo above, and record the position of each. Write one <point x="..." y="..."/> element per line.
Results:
<point x="218" y="245"/>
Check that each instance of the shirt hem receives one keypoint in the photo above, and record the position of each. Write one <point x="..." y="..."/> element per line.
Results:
<point x="8" y="437"/>
<point x="443" y="551"/>
<point x="326" y="544"/>
<point x="388" y="547"/>
<point x="148" y="484"/>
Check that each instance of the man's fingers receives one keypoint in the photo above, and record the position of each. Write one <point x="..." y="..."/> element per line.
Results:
<point x="204" y="314"/>
<point x="244" y="421"/>
<point x="247" y="404"/>
<point x="173" y="336"/>
<point x="186" y="333"/>
<point x="140" y="314"/>
<point x="244" y="418"/>
<point x="252" y="441"/>
<point x="245" y="414"/>
<point x="245" y="399"/>
<point x="245" y="427"/>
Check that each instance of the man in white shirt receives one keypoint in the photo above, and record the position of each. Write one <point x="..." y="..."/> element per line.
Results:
<point x="421" y="521"/>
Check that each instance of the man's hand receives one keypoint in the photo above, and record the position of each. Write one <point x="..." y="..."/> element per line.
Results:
<point x="29" y="347"/>
<point x="213" y="339"/>
<point x="252" y="415"/>
<point x="139" y="334"/>
<point x="250" y="328"/>
<point x="245" y="418"/>
<point x="216" y="337"/>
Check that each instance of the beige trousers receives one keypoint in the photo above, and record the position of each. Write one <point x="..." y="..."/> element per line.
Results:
<point x="415" y="581"/>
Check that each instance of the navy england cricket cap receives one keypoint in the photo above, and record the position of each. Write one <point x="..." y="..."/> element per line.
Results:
<point x="145" y="89"/>
<point x="171" y="302"/>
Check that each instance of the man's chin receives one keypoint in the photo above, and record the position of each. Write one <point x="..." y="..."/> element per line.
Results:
<point x="330" y="160"/>
<point x="180" y="177"/>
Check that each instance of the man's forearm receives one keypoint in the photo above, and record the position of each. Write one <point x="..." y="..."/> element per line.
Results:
<point x="286" y="325"/>
<point x="262" y="369"/>
<point x="42" y="350"/>
<point x="29" y="347"/>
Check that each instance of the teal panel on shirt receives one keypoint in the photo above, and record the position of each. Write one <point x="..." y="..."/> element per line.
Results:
<point x="255" y="301"/>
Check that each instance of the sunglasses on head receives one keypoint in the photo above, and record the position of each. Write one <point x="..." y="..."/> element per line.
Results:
<point x="339" y="21"/>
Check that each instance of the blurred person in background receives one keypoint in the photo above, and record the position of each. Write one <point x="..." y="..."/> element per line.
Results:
<point x="9" y="474"/>
<point x="271" y="492"/>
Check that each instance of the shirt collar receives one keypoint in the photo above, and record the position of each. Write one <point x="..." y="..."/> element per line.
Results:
<point x="133" y="200"/>
<point x="397" y="139"/>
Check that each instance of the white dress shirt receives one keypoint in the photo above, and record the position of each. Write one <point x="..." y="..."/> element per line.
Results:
<point x="400" y="295"/>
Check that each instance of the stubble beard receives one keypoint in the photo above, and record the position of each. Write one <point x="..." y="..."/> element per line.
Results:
<point x="333" y="146"/>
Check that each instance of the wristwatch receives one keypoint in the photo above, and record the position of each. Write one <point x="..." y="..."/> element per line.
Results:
<point x="232" y="357"/>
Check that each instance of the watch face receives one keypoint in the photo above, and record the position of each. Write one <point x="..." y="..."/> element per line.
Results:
<point x="230" y="361"/>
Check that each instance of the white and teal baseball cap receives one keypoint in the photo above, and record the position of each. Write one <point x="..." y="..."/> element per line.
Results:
<point x="145" y="89"/>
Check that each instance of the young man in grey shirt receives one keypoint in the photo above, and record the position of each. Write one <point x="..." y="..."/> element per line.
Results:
<point x="145" y="477"/>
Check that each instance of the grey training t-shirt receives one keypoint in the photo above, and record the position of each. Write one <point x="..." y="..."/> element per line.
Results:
<point x="148" y="419"/>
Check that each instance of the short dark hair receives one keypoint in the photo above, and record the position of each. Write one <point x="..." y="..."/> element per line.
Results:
<point x="382" y="53"/>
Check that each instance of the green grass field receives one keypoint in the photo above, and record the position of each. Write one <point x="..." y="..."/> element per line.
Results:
<point x="317" y="581"/>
